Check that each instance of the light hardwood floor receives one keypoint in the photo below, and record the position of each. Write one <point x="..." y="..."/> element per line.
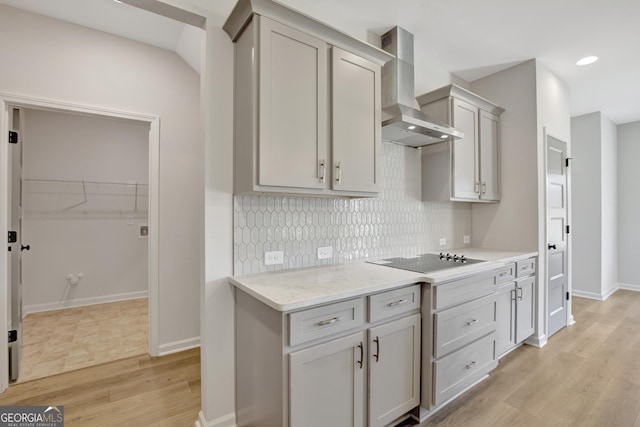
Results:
<point x="138" y="391"/>
<point x="72" y="338"/>
<point x="588" y="375"/>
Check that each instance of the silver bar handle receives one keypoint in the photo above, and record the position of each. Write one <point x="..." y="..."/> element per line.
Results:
<point x="472" y="322"/>
<point x="329" y="321"/>
<point x="521" y="293"/>
<point x="470" y="365"/>
<point x="338" y="173"/>
<point x="476" y="187"/>
<point x="361" y="355"/>
<point x="484" y="187"/>
<point x="513" y="294"/>
<point x="322" y="170"/>
<point x="397" y="303"/>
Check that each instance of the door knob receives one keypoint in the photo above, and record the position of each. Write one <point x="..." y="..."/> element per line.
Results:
<point x="552" y="246"/>
<point x="25" y="248"/>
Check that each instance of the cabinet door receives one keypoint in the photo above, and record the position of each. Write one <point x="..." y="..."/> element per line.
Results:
<point x="466" y="176"/>
<point x="505" y="313"/>
<point x="327" y="384"/>
<point x="355" y="122"/>
<point x="292" y="107"/>
<point x="394" y="369"/>
<point x="489" y="156"/>
<point x="525" y="303"/>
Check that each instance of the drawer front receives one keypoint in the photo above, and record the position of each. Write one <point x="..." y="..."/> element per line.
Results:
<point x="457" y="371"/>
<point x="460" y="291"/>
<point x="392" y="303"/>
<point x="505" y="274"/>
<point x="462" y="324"/>
<point x="320" y="322"/>
<point x="526" y="267"/>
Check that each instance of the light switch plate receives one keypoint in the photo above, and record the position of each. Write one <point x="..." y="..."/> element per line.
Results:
<point x="466" y="240"/>
<point x="273" y="257"/>
<point x="443" y="241"/>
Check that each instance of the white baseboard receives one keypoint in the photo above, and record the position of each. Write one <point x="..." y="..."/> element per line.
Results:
<point x="178" y="346"/>
<point x="535" y="341"/>
<point x="588" y="295"/>
<point x="629" y="287"/>
<point x="225" y="421"/>
<point x="81" y="302"/>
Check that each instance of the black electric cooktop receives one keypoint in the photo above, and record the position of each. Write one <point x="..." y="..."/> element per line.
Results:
<point x="427" y="263"/>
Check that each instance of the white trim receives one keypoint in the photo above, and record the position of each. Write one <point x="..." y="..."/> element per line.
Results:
<point x="154" y="178"/>
<point x="178" y="346"/>
<point x="596" y="296"/>
<point x="81" y="302"/>
<point x="629" y="287"/>
<point x="4" y="261"/>
<point x="228" y="420"/>
<point x="538" y="342"/>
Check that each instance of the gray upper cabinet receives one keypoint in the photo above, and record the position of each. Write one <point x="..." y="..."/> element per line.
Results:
<point x="465" y="169"/>
<point x="292" y="110"/>
<point x="307" y="105"/>
<point x="355" y="94"/>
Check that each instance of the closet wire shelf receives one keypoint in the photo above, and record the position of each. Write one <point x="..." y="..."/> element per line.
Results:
<point x="70" y="197"/>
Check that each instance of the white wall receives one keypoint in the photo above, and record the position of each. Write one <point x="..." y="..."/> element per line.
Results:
<point x="609" y="206"/>
<point x="55" y="60"/>
<point x="99" y="237"/>
<point x="628" y="205"/>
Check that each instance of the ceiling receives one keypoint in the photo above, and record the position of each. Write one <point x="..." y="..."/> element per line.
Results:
<point x="468" y="38"/>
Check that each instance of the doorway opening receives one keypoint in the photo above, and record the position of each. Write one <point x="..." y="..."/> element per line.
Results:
<point x="89" y="217"/>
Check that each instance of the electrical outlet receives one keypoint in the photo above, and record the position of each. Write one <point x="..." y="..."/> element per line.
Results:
<point x="466" y="239"/>
<point x="443" y="241"/>
<point x="273" y="257"/>
<point x="325" y="252"/>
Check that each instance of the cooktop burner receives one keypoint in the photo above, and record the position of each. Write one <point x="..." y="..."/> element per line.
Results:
<point x="427" y="263"/>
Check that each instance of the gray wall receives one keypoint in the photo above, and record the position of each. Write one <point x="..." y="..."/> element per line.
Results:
<point x="628" y="205"/>
<point x="55" y="60"/>
<point x="396" y="223"/>
<point x="70" y="234"/>
<point x="595" y="206"/>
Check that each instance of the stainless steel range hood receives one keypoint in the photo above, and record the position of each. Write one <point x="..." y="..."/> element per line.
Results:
<point x="402" y="123"/>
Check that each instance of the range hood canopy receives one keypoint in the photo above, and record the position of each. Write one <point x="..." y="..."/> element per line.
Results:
<point x="402" y="123"/>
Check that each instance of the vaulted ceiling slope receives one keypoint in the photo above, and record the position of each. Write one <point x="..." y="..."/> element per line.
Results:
<point x="468" y="38"/>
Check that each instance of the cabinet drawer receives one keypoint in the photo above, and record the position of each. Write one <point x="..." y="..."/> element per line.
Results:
<point x="526" y="267"/>
<point x="460" y="325"/>
<point x="463" y="290"/>
<point x="391" y="303"/>
<point x="323" y="321"/>
<point x="457" y="371"/>
<point x="505" y="274"/>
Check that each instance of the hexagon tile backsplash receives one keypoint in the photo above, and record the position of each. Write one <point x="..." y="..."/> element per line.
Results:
<point x="395" y="223"/>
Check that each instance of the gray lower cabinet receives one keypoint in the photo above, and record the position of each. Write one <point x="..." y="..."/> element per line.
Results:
<point x="516" y="306"/>
<point x="394" y="370"/>
<point x="463" y="336"/>
<point x="352" y="363"/>
<point x="327" y="384"/>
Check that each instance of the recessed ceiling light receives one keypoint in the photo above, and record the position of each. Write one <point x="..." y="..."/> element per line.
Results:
<point x="412" y="127"/>
<point x="587" y="60"/>
<point x="444" y="136"/>
<point x="117" y="1"/>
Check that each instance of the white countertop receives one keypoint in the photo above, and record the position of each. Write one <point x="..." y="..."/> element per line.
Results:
<point x="299" y="288"/>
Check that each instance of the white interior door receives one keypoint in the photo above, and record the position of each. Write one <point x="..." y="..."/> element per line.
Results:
<point x="557" y="248"/>
<point x="15" y="248"/>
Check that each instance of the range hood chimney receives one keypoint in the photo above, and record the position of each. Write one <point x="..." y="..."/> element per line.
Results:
<point x="402" y="123"/>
